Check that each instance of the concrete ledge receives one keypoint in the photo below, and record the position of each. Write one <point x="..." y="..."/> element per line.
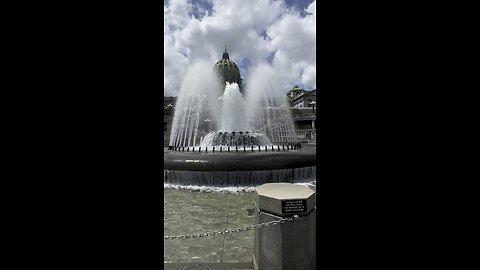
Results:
<point x="238" y="178"/>
<point x="208" y="266"/>
<point x="188" y="161"/>
<point x="269" y="197"/>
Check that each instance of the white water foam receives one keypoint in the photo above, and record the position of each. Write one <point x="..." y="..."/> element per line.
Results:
<point x="229" y="189"/>
<point x="204" y="106"/>
<point x="312" y="182"/>
<point x="234" y="116"/>
<point x="308" y="183"/>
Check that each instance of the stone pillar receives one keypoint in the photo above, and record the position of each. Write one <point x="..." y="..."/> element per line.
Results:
<point x="291" y="245"/>
<point x="314" y="132"/>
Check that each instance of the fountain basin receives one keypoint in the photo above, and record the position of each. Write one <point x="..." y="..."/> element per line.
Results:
<point x="248" y="161"/>
<point x="239" y="169"/>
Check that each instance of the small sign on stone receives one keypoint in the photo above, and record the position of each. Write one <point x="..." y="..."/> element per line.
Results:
<point x="294" y="206"/>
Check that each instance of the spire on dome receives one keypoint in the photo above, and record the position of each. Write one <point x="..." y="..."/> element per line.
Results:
<point x="225" y="54"/>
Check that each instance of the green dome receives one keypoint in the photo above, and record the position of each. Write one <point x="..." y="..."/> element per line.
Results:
<point x="294" y="89"/>
<point x="227" y="69"/>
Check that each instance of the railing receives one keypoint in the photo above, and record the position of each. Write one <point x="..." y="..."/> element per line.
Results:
<point x="301" y="134"/>
<point x="306" y="133"/>
<point x="236" y="149"/>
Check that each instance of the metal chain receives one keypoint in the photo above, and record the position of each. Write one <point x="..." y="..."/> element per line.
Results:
<point x="266" y="224"/>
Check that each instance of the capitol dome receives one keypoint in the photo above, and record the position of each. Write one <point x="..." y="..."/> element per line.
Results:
<point x="228" y="70"/>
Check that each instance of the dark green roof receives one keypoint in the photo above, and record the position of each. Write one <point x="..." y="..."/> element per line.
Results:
<point x="228" y="69"/>
<point x="295" y="89"/>
<point x="226" y="64"/>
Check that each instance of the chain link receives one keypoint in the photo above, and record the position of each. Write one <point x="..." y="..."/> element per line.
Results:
<point x="266" y="224"/>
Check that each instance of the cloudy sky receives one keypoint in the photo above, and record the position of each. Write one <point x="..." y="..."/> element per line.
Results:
<point x="280" y="33"/>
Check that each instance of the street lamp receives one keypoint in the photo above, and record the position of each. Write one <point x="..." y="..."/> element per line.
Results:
<point x="313" y="106"/>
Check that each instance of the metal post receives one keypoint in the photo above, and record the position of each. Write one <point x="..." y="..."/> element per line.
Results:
<point x="289" y="245"/>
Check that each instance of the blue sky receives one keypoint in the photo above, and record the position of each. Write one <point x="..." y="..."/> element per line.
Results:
<point x="299" y="4"/>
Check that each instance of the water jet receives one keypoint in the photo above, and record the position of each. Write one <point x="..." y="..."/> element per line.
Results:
<point x="215" y="111"/>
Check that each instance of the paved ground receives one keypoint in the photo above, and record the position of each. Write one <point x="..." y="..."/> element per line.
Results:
<point x="187" y="212"/>
<point x="208" y="266"/>
<point x="190" y="212"/>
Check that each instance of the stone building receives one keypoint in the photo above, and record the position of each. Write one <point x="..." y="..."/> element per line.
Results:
<point x="168" y="110"/>
<point x="303" y="104"/>
<point x="300" y="98"/>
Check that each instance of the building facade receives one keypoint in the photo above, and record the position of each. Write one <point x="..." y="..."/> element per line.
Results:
<point x="168" y="111"/>
<point x="303" y="107"/>
<point x="300" y="98"/>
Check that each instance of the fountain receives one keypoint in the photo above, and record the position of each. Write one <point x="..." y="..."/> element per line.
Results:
<point x="225" y="135"/>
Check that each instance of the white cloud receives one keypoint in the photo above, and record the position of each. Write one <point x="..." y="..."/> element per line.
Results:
<point x="239" y="25"/>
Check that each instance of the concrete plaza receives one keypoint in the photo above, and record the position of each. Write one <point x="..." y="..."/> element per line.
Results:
<point x="191" y="212"/>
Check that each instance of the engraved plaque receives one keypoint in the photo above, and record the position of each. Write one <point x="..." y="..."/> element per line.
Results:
<point x="294" y="206"/>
